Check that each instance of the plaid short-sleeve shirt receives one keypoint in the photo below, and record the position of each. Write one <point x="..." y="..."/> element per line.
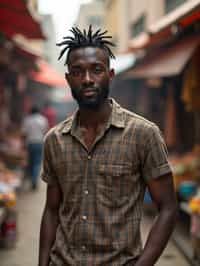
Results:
<point x="103" y="189"/>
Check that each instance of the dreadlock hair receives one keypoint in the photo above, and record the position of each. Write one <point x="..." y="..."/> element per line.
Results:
<point x="85" y="39"/>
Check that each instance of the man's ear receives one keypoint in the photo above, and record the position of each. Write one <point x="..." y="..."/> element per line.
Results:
<point x="67" y="76"/>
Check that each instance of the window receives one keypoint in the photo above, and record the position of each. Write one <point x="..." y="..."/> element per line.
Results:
<point x="172" y="4"/>
<point x="138" y="26"/>
<point x="96" y="21"/>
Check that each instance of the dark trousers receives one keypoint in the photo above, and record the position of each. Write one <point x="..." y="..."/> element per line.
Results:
<point x="35" y="158"/>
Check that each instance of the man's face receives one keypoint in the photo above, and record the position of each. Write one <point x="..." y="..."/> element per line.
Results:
<point x="89" y="76"/>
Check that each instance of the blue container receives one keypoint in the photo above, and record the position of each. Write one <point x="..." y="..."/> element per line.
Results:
<point x="187" y="189"/>
<point x="147" y="197"/>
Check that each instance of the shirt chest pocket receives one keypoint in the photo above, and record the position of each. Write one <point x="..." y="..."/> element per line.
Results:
<point x="114" y="184"/>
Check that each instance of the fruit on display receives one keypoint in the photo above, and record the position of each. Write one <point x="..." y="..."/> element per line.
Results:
<point x="195" y="203"/>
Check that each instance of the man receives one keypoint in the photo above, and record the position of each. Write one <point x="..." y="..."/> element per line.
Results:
<point x="97" y="164"/>
<point x="34" y="128"/>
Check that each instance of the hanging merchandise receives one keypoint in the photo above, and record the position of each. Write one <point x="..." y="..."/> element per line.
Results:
<point x="191" y="84"/>
<point x="191" y="91"/>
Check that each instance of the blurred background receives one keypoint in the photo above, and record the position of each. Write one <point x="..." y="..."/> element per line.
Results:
<point x="157" y="75"/>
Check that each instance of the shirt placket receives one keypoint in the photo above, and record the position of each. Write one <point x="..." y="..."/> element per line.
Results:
<point x="85" y="219"/>
<point x="84" y="213"/>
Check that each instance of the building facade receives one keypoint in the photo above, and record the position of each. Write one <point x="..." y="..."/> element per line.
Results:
<point x="116" y="22"/>
<point x="91" y="14"/>
<point x="127" y="20"/>
<point x="146" y="12"/>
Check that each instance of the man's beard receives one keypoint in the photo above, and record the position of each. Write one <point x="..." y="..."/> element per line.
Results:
<point x="94" y="102"/>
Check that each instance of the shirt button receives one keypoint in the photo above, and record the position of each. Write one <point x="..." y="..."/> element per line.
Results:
<point x="89" y="157"/>
<point x="84" y="217"/>
<point x="86" y="192"/>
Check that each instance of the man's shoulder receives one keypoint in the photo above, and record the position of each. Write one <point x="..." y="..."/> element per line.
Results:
<point x="137" y="120"/>
<point x="144" y="129"/>
<point x="59" y="128"/>
<point x="42" y="118"/>
<point x="28" y="118"/>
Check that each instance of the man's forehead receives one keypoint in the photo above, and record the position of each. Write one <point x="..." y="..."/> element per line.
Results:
<point x="88" y="53"/>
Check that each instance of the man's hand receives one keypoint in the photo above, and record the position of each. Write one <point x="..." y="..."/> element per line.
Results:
<point x="163" y="194"/>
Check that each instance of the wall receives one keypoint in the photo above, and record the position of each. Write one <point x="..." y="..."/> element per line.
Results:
<point x="153" y="9"/>
<point x="116" y="20"/>
<point x="88" y="12"/>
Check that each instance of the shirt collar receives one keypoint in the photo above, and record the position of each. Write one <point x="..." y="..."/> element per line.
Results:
<point x="70" y="123"/>
<point x="116" y="118"/>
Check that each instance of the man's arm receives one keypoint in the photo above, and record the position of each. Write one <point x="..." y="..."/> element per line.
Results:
<point x="162" y="192"/>
<point x="49" y="223"/>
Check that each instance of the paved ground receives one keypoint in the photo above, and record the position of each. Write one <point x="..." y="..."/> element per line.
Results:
<point x="30" y="205"/>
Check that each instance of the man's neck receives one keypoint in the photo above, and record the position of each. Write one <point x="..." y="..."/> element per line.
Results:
<point x="93" y="118"/>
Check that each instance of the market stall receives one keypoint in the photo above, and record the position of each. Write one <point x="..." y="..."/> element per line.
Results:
<point x="13" y="160"/>
<point x="169" y="71"/>
<point x="186" y="169"/>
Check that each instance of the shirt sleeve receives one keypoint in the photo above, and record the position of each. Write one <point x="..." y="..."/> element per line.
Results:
<point x="155" y="157"/>
<point x="47" y="170"/>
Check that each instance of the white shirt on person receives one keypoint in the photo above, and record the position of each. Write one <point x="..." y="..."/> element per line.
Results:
<point x="34" y="127"/>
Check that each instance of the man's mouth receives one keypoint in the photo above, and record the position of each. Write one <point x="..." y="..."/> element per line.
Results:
<point x="89" y="92"/>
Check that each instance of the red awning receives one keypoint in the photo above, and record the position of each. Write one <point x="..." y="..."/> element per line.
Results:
<point x="22" y="53"/>
<point x="48" y="75"/>
<point x="15" y="18"/>
<point x="168" y="62"/>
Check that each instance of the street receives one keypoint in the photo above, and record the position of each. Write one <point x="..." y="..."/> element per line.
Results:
<point x="30" y="205"/>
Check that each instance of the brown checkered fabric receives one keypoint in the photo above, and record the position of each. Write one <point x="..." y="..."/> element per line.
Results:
<point x="102" y="188"/>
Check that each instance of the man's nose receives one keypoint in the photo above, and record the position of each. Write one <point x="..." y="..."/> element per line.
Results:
<point x="87" y="77"/>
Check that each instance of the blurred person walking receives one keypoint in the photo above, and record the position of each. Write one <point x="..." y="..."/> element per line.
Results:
<point x="97" y="165"/>
<point x="34" y="127"/>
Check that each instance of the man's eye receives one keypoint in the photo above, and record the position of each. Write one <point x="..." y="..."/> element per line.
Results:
<point x="97" y="70"/>
<point x="76" y="72"/>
